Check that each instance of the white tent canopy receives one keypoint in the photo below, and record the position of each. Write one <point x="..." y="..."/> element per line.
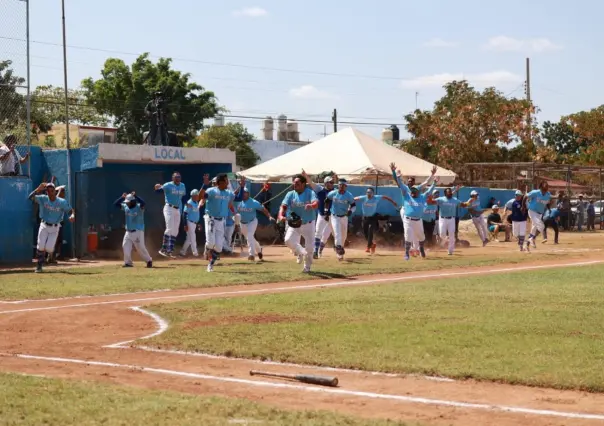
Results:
<point x="350" y="154"/>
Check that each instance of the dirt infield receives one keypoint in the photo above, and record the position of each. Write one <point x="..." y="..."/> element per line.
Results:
<point x="88" y="338"/>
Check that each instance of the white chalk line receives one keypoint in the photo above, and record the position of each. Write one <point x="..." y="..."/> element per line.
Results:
<point x="348" y="283"/>
<point x="163" y="325"/>
<point x="362" y="394"/>
<point x="83" y="296"/>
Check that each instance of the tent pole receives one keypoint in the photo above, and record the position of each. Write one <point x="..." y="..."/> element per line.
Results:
<point x="377" y="180"/>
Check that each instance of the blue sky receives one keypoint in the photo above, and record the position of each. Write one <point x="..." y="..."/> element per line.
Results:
<point x="403" y="46"/>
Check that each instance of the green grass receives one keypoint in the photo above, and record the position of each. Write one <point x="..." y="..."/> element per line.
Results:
<point x="541" y="328"/>
<point x="183" y="275"/>
<point x="26" y="400"/>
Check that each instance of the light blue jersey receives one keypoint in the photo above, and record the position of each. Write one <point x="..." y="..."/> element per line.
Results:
<point x="475" y="207"/>
<point x="430" y="213"/>
<point x="448" y="206"/>
<point x="135" y="220"/>
<point x="229" y="221"/>
<point x="414" y="207"/>
<point x="52" y="212"/>
<point x="247" y="209"/>
<point x="217" y="202"/>
<point x="174" y="193"/>
<point x="537" y="201"/>
<point x="340" y="202"/>
<point x="369" y="205"/>
<point x="295" y="204"/>
<point x="192" y="211"/>
<point x="509" y="204"/>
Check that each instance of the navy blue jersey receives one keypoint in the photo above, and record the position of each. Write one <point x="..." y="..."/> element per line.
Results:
<point x="321" y="196"/>
<point x="517" y="214"/>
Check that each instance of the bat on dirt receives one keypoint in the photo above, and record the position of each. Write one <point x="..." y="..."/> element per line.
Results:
<point x="304" y="378"/>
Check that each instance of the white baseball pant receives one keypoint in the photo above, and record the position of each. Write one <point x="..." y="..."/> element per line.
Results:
<point x="323" y="229"/>
<point x="481" y="227"/>
<point x="536" y="222"/>
<point x="191" y="240"/>
<point x="249" y="230"/>
<point x="292" y="240"/>
<point x="135" y="239"/>
<point x="447" y="227"/>
<point x="340" y="229"/>
<point x="172" y="218"/>
<point x="47" y="237"/>
<point x="519" y="229"/>
<point x="214" y="233"/>
<point x="228" y="237"/>
<point x="414" y="231"/>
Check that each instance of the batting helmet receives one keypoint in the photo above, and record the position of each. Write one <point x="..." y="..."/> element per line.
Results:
<point x="294" y="221"/>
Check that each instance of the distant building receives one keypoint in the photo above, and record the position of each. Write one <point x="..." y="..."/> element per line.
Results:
<point x="80" y="136"/>
<point x="269" y="149"/>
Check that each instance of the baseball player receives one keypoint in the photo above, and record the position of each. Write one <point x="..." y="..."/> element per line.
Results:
<point x="429" y="219"/>
<point x="476" y="212"/>
<point x="341" y="205"/>
<point x="247" y="209"/>
<point x="323" y="226"/>
<point x="218" y="202"/>
<point x="414" y="204"/>
<point x="519" y="216"/>
<point x="51" y="212"/>
<point x="298" y="209"/>
<point x="134" y="209"/>
<point x="369" y="205"/>
<point x="191" y="217"/>
<point x="52" y="258"/>
<point x="448" y="206"/>
<point x="174" y="193"/>
<point x="537" y="200"/>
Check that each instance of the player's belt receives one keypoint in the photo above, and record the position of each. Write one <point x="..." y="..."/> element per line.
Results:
<point x="413" y="218"/>
<point x="132" y="230"/>
<point x="216" y="218"/>
<point x="173" y="206"/>
<point x="446" y="217"/>
<point x="50" y="224"/>
<point x="341" y="215"/>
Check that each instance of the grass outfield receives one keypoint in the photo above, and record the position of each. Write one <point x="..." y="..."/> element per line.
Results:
<point x="540" y="328"/>
<point x="26" y="400"/>
<point x="232" y="271"/>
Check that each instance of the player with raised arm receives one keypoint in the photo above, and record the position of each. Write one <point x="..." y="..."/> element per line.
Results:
<point x="191" y="218"/>
<point x="134" y="208"/>
<point x="323" y="226"/>
<point x="174" y="193"/>
<point x="369" y="204"/>
<point x="447" y="207"/>
<point x="476" y="211"/>
<point x="537" y="200"/>
<point x="341" y="205"/>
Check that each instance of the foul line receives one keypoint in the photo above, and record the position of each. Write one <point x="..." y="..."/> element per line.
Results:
<point x="162" y="326"/>
<point x="362" y="394"/>
<point x="83" y="296"/>
<point x="306" y="287"/>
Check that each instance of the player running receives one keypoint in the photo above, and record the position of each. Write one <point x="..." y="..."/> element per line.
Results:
<point x="476" y="212"/>
<point x="537" y="200"/>
<point x="191" y="217"/>
<point x="174" y="192"/>
<point x="51" y="212"/>
<point x="447" y="207"/>
<point x="519" y="216"/>
<point x="323" y="227"/>
<point x="341" y="205"/>
<point x="218" y="201"/>
<point x="134" y="209"/>
<point x="298" y="209"/>
<point x="369" y="204"/>
<point x="247" y="209"/>
<point x="414" y="204"/>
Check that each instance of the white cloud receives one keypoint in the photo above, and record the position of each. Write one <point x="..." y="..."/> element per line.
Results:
<point x="310" y="92"/>
<point x="252" y="12"/>
<point x="494" y="78"/>
<point x="439" y="42"/>
<point x="510" y="44"/>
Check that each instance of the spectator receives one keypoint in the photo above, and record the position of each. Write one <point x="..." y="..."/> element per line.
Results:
<point x="580" y="213"/>
<point x="496" y="224"/>
<point x="551" y="218"/>
<point x="591" y="216"/>
<point x="564" y="209"/>
<point x="265" y="195"/>
<point x="10" y="159"/>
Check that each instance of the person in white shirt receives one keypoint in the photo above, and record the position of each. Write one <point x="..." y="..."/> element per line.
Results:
<point x="10" y="160"/>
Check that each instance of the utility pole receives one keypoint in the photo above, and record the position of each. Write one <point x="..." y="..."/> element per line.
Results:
<point x="334" y="118"/>
<point x="528" y="99"/>
<point x="416" y="96"/>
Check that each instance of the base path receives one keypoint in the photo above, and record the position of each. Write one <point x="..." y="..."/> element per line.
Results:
<point x="76" y="338"/>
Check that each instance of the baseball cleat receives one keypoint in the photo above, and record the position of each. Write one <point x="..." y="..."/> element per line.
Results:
<point x="260" y="255"/>
<point x="450" y="253"/>
<point x="373" y="246"/>
<point x="164" y="253"/>
<point x="368" y="250"/>
<point x="299" y="259"/>
<point x="195" y="254"/>
<point x="315" y="255"/>
<point x="544" y="241"/>
<point x="210" y="268"/>
<point x="406" y="257"/>
<point x="306" y="270"/>
<point x="251" y="258"/>
<point x="38" y="269"/>
<point x="128" y="265"/>
<point x="150" y="264"/>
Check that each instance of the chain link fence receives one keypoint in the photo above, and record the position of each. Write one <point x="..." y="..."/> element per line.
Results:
<point x="14" y="86"/>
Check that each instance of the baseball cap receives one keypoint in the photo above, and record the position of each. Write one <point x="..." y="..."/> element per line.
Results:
<point x="129" y="198"/>
<point x="414" y="189"/>
<point x="60" y="188"/>
<point x="473" y="193"/>
<point x="342" y="182"/>
<point x="194" y="192"/>
<point x="246" y="190"/>
<point x="50" y="185"/>
<point x="215" y="179"/>
<point x="328" y="179"/>
<point x="436" y="191"/>
<point x="518" y="192"/>
<point x="495" y="207"/>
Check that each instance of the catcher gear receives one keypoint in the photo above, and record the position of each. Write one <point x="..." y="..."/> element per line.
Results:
<point x="294" y="221"/>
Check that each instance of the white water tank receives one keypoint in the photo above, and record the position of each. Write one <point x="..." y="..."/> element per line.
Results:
<point x="387" y="135"/>
<point x="282" y="128"/>
<point x="219" y="120"/>
<point x="268" y="129"/>
<point x="292" y="131"/>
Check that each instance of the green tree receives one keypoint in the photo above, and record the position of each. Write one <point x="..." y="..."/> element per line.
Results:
<point x="123" y="92"/>
<point x="13" y="112"/>
<point x="467" y="125"/>
<point x="562" y="137"/>
<point x="48" y="108"/>
<point x="233" y="136"/>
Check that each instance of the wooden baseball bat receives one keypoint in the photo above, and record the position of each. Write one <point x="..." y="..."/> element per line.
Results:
<point x="304" y="378"/>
